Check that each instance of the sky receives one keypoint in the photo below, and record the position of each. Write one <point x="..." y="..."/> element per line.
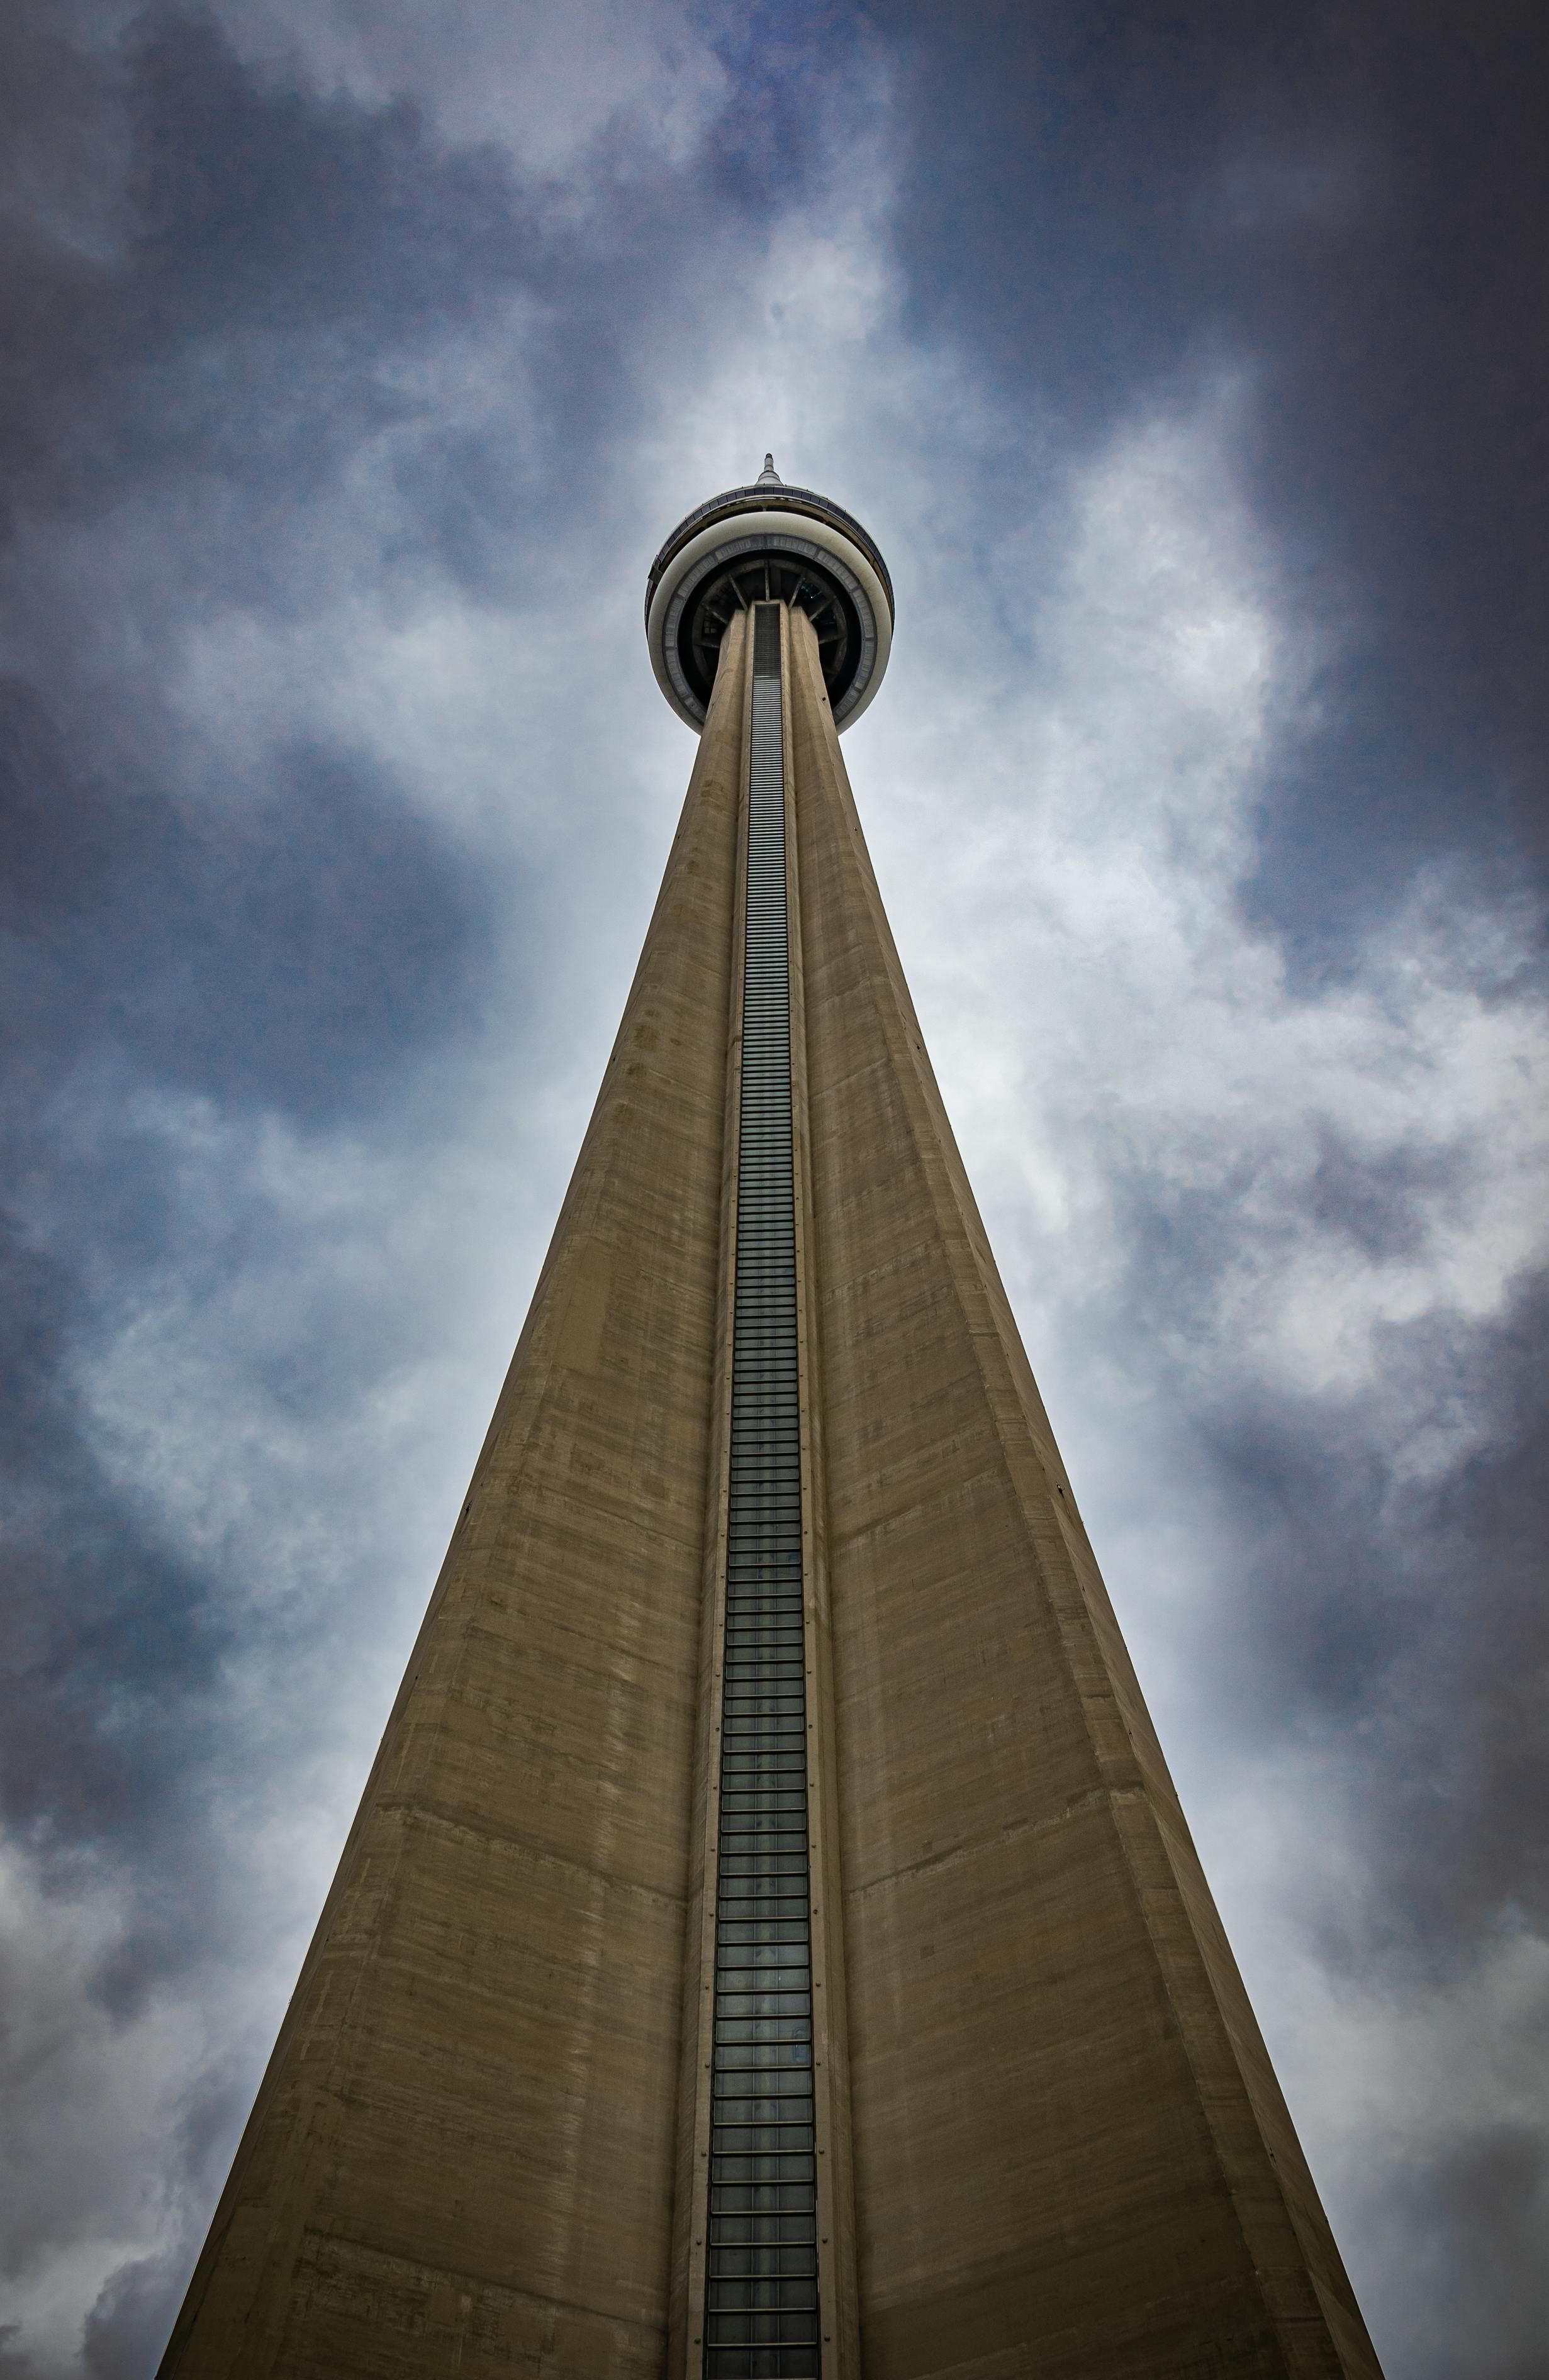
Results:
<point x="1188" y="366"/>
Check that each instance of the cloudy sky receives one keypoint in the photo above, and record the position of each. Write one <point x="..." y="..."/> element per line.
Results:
<point x="1188" y="368"/>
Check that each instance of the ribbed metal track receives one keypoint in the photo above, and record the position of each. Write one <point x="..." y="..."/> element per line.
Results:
<point x="762" y="2290"/>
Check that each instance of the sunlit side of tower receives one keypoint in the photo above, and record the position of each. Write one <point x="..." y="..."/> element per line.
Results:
<point x="770" y="1947"/>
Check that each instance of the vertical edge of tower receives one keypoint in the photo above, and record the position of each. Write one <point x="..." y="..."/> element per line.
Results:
<point x="462" y="2156"/>
<point x="1070" y="2148"/>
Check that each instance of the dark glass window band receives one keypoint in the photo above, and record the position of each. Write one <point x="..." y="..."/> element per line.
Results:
<point x="761" y="2319"/>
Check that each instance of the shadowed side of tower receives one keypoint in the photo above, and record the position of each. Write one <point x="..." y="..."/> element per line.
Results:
<point x="461" y="2157"/>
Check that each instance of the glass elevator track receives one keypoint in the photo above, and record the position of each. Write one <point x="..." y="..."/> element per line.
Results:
<point x="762" y="2291"/>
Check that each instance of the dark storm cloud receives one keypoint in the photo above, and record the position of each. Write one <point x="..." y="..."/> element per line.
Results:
<point x="271" y="279"/>
<point x="787" y="58"/>
<point x="293" y="957"/>
<point x="283" y="955"/>
<point x="1369" y="1572"/>
<point x="1411" y="1604"/>
<point x="1477" y="2219"/>
<point x="1377" y="1555"/>
<point x="1350" y="205"/>
<point x="97" y="1616"/>
<point x="288" y="942"/>
<point x="272" y="255"/>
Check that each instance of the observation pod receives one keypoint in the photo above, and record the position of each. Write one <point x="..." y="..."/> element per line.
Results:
<point x="761" y="544"/>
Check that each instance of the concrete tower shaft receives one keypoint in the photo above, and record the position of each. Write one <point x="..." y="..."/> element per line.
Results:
<point x="770" y="1947"/>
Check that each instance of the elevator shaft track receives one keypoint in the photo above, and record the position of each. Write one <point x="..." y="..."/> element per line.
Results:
<point x="761" y="2289"/>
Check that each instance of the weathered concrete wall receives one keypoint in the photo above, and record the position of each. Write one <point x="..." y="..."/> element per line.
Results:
<point x="462" y="2156"/>
<point x="1070" y="2154"/>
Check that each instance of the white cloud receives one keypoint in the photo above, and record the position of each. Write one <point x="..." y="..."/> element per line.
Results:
<point x="1103" y="1010"/>
<point x="90" y="2099"/>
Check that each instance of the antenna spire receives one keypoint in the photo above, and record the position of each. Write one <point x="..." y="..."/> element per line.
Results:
<point x="769" y="476"/>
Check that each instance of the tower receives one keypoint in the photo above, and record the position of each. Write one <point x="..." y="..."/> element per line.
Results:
<point x="769" y="1945"/>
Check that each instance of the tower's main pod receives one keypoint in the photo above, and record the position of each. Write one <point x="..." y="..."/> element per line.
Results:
<point x="769" y="1945"/>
